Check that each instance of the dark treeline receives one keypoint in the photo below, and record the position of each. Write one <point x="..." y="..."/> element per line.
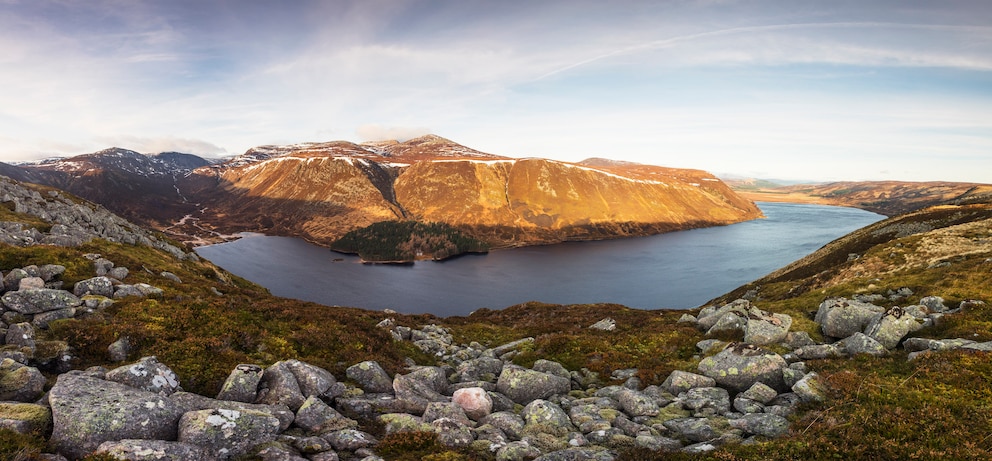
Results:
<point x="407" y="241"/>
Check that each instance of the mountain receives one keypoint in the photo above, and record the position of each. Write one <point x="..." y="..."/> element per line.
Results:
<point x="889" y="198"/>
<point x="141" y="188"/>
<point x="322" y="190"/>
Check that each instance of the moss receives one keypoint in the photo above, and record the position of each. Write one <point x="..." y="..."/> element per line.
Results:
<point x="20" y="447"/>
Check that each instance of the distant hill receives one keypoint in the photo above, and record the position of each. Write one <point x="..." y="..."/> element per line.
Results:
<point x="889" y="198"/>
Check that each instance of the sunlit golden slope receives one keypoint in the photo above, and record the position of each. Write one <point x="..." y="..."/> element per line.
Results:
<point x="321" y="191"/>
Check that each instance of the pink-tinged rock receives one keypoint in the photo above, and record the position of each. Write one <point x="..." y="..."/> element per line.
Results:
<point x="475" y="401"/>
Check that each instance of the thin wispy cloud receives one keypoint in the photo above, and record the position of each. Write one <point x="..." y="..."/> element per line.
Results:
<point x="722" y="86"/>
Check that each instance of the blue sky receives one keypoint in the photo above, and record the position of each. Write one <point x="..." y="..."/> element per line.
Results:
<point x="789" y="89"/>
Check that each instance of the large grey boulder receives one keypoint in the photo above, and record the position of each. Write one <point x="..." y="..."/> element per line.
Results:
<point x="889" y="328"/>
<point x="763" y="424"/>
<point x="350" y="439"/>
<point x="524" y="386"/>
<point x="480" y="369"/>
<point x="99" y="286"/>
<point x="710" y="316"/>
<point x="370" y="376"/>
<point x="19" y="382"/>
<point x="278" y="386"/>
<point x="22" y="335"/>
<point x="227" y="433"/>
<point x="546" y="417"/>
<point x="692" y="429"/>
<point x="699" y="399"/>
<point x="765" y="328"/>
<point x="739" y="366"/>
<point x="152" y="450"/>
<point x="146" y="374"/>
<point x="318" y="417"/>
<point x="680" y="381"/>
<point x="420" y="387"/>
<point x="314" y="381"/>
<point x="636" y="403"/>
<point x="860" y="343"/>
<point x="242" y="384"/>
<point x="841" y="317"/>
<point x="88" y="411"/>
<point x="38" y="300"/>
<point x="190" y="402"/>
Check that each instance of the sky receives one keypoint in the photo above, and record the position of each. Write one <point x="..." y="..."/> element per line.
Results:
<point x="784" y="89"/>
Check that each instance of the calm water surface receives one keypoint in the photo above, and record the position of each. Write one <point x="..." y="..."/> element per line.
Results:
<point x="676" y="270"/>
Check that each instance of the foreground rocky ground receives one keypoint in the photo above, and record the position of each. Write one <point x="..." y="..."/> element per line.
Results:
<point x="138" y="351"/>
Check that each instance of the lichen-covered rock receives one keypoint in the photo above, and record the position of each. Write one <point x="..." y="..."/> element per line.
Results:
<point x="43" y="319"/>
<point x="810" y="389"/>
<point x="190" y="402"/>
<point x="318" y="417"/>
<point x="452" y="433"/>
<point x="763" y="424"/>
<point x="480" y="369"/>
<point x="889" y="328"/>
<point x="524" y="386"/>
<point x="370" y="376"/>
<point x="577" y="454"/>
<point x="701" y="398"/>
<point x="350" y="439"/>
<point x="87" y="411"/>
<point x="147" y="374"/>
<point x="152" y="450"/>
<point x="739" y="366"/>
<point x="21" y="334"/>
<point x="38" y="300"/>
<point x="138" y="289"/>
<point x="760" y="392"/>
<point x="765" y="328"/>
<point x="636" y="403"/>
<point x="692" y="429"/>
<point x="474" y="401"/>
<point x="403" y="422"/>
<point x="510" y="423"/>
<point x="25" y="418"/>
<point x="680" y="381"/>
<point x="421" y="387"/>
<point x="278" y="386"/>
<point x="227" y="434"/>
<point x="517" y="451"/>
<point x="313" y="380"/>
<point x="544" y="416"/>
<point x="242" y="384"/>
<point x="19" y="382"/>
<point x="841" y="317"/>
<point x="934" y="303"/>
<point x="860" y="343"/>
<point x="96" y="286"/>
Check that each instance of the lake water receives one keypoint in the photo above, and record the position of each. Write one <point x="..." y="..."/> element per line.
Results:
<point x="677" y="270"/>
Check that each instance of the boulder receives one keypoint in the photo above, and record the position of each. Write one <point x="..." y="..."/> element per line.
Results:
<point x="701" y="398"/>
<point x="21" y="334"/>
<point x="421" y="387"/>
<point x="242" y="384"/>
<point x="87" y="411"/>
<point x="119" y="349"/>
<point x="96" y="286"/>
<point x="889" y="328"/>
<point x="31" y="283"/>
<point x="763" y="424"/>
<point x="524" y="386"/>
<point x="190" y="402"/>
<point x="452" y="433"/>
<point x="278" y="386"/>
<point x="860" y="343"/>
<point x="765" y="328"/>
<point x="146" y="374"/>
<point x="38" y="300"/>
<point x="841" y="317"/>
<point x="350" y="439"/>
<point x="403" y="422"/>
<point x="680" y="381"/>
<point x="318" y="417"/>
<point x="43" y="319"/>
<point x="934" y="303"/>
<point x="12" y="279"/>
<point x="739" y="366"/>
<point x="480" y="369"/>
<point x="314" y="380"/>
<point x="692" y="429"/>
<point x="19" y="382"/>
<point x="810" y="389"/>
<point x="547" y="417"/>
<point x="152" y="450"/>
<point x="227" y="434"/>
<point x="636" y="403"/>
<point x="510" y="423"/>
<point x="474" y="401"/>
<point x="370" y="376"/>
